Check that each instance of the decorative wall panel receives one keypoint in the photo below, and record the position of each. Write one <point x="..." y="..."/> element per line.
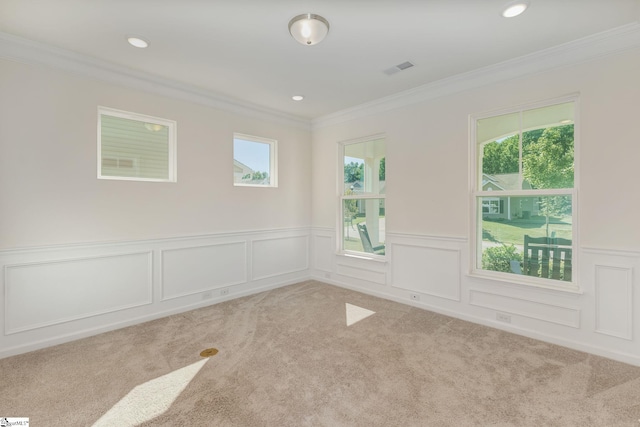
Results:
<point x="46" y="293"/>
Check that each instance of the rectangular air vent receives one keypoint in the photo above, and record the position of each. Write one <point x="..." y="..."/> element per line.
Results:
<point x="397" y="68"/>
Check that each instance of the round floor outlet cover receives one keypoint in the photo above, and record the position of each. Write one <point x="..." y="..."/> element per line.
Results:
<point x="209" y="352"/>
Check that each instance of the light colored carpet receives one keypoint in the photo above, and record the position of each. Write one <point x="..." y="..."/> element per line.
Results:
<point x="288" y="358"/>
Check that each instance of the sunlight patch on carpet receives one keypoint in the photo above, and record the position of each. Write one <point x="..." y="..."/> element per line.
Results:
<point x="356" y="314"/>
<point x="150" y="399"/>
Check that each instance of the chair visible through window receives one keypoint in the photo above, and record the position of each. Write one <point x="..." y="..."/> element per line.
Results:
<point x="366" y="241"/>
<point x="547" y="257"/>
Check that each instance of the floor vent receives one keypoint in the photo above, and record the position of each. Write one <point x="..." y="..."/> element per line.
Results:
<point x="209" y="352"/>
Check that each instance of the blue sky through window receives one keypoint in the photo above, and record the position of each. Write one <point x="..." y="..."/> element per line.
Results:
<point x="253" y="154"/>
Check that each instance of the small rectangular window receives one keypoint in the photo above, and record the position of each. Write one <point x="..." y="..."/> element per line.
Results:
<point x="135" y="147"/>
<point x="254" y="161"/>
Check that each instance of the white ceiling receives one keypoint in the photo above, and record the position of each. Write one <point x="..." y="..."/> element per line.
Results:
<point x="241" y="49"/>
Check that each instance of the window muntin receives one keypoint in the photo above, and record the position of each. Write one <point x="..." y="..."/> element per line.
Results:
<point x="135" y="147"/>
<point x="254" y="161"/>
<point x="362" y="207"/>
<point x="524" y="195"/>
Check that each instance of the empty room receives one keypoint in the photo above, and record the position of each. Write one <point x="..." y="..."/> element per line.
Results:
<point x="194" y="213"/>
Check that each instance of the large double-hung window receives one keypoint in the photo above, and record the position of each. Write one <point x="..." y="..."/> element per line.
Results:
<point x="524" y="194"/>
<point x="362" y="196"/>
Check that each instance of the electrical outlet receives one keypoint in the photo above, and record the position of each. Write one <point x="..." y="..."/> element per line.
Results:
<point x="224" y="291"/>
<point x="206" y="295"/>
<point x="503" y="317"/>
<point x="414" y="297"/>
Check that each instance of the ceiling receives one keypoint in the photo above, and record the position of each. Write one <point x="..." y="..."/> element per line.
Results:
<point x="241" y="49"/>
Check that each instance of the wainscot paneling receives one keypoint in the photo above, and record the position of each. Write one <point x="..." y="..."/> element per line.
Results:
<point x="323" y="253"/>
<point x="614" y="301"/>
<point x="611" y="286"/>
<point x="548" y="312"/>
<point x="191" y="270"/>
<point x="57" y="294"/>
<point x="362" y="269"/>
<point x="47" y="293"/>
<point x="433" y="272"/>
<point x="279" y="255"/>
<point x="427" y="270"/>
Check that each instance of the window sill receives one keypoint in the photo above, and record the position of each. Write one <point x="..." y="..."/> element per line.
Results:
<point x="363" y="257"/>
<point x="547" y="285"/>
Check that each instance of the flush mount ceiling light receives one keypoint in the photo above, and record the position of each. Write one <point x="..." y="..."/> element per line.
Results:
<point x="297" y="97"/>
<point x="137" y="42"/>
<point x="308" y="28"/>
<point x="514" y="8"/>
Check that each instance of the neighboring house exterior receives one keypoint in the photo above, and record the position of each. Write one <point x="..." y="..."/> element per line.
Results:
<point x="507" y="207"/>
<point x="243" y="174"/>
<point x="240" y="170"/>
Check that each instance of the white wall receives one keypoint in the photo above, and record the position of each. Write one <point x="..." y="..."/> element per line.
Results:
<point x="48" y="128"/>
<point x="81" y="256"/>
<point x="428" y="202"/>
<point x="172" y="247"/>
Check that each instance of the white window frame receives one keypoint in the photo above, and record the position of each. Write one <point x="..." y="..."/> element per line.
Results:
<point x="170" y="124"/>
<point x="475" y="182"/>
<point x="273" y="159"/>
<point x="362" y="196"/>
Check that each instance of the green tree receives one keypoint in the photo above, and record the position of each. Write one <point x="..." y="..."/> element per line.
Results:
<point x="353" y="172"/>
<point x="382" y="173"/>
<point x="500" y="157"/>
<point x="548" y="162"/>
<point x="350" y="210"/>
<point x="259" y="176"/>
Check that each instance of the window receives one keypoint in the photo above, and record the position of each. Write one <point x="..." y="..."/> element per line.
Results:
<point x="135" y="147"/>
<point x="362" y="200"/>
<point x="492" y="206"/>
<point x="254" y="161"/>
<point x="524" y="195"/>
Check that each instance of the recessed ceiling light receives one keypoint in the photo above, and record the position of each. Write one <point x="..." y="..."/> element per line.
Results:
<point x="137" y="42"/>
<point x="297" y="97"/>
<point x="514" y="8"/>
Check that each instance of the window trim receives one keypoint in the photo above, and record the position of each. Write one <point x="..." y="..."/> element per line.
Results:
<point x="476" y="213"/>
<point x="172" y="143"/>
<point x="340" y="250"/>
<point x="273" y="159"/>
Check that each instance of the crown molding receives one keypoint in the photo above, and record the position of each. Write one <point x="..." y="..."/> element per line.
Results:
<point x="585" y="49"/>
<point x="34" y="53"/>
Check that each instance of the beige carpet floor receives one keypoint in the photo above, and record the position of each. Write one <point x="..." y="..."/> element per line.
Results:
<point x="287" y="358"/>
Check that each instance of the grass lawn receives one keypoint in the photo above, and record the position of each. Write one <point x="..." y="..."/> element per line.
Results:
<point x="353" y="244"/>
<point x="512" y="232"/>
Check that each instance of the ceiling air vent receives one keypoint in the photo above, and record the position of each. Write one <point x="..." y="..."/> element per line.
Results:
<point x="397" y="68"/>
